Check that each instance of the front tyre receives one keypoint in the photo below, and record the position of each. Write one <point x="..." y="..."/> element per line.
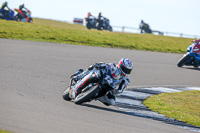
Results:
<point x="110" y="28"/>
<point x="30" y="20"/>
<point x="184" y="60"/>
<point x="86" y="95"/>
<point x="65" y="94"/>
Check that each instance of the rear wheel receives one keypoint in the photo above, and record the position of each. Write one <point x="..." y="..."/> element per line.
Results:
<point x="86" y="95"/>
<point x="184" y="60"/>
<point x="65" y="94"/>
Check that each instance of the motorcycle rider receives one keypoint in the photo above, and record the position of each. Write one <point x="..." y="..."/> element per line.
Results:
<point x="88" y="16"/>
<point x="21" y="7"/>
<point x="195" y="45"/>
<point x="144" y="27"/>
<point x="5" y="12"/>
<point x="118" y="72"/>
<point x="100" y="21"/>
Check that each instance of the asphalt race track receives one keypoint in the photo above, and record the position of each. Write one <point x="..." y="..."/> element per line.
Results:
<point x="34" y="74"/>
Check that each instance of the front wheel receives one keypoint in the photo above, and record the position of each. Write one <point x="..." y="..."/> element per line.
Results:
<point x="30" y="20"/>
<point x="184" y="60"/>
<point x="110" y="28"/>
<point x="65" y="94"/>
<point x="88" y="25"/>
<point x="86" y="95"/>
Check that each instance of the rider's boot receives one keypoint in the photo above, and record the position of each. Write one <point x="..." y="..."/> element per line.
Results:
<point x="108" y="99"/>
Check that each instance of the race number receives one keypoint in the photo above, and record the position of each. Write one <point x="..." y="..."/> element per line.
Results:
<point x="108" y="79"/>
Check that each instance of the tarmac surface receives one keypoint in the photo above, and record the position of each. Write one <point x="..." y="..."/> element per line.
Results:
<point x="33" y="76"/>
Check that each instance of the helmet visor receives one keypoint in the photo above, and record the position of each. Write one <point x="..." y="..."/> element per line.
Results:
<point x="125" y="70"/>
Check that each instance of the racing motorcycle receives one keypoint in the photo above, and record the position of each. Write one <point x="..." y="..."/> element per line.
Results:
<point x="93" y="90"/>
<point x="106" y="24"/>
<point x="9" y="16"/>
<point x="23" y="16"/>
<point x="145" y="28"/>
<point x="192" y="56"/>
<point x="91" y="22"/>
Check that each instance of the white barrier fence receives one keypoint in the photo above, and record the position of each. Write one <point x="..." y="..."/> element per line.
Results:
<point x="137" y="30"/>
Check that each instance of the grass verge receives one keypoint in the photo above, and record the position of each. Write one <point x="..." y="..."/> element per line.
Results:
<point x="183" y="106"/>
<point x="60" y="32"/>
<point x="3" y="131"/>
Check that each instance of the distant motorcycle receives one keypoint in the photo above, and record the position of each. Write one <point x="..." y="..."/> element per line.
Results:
<point x="91" y="22"/>
<point x="145" y="28"/>
<point x="23" y="16"/>
<point x="10" y="15"/>
<point x="92" y="91"/>
<point x="106" y="24"/>
<point x="192" y="56"/>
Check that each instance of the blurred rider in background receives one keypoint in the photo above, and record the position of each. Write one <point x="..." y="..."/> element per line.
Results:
<point x="196" y="46"/>
<point x="100" y="21"/>
<point x="4" y="11"/>
<point x="144" y="27"/>
<point x="21" y="7"/>
<point x="88" y="16"/>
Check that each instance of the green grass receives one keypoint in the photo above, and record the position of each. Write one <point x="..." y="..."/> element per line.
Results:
<point x="60" y="32"/>
<point x="183" y="106"/>
<point x="3" y="131"/>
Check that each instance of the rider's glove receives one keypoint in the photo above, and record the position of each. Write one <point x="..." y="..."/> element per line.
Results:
<point x="122" y="87"/>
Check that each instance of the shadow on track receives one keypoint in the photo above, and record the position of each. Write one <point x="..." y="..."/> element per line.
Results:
<point x="192" y="68"/>
<point x="167" y="121"/>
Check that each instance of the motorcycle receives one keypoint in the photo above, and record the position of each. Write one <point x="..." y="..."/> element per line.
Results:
<point x="9" y="16"/>
<point x="92" y="91"/>
<point x="23" y="16"/>
<point x="91" y="22"/>
<point x="192" y="56"/>
<point x="106" y="24"/>
<point x="145" y="28"/>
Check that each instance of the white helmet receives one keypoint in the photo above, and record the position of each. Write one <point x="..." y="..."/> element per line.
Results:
<point x="125" y="66"/>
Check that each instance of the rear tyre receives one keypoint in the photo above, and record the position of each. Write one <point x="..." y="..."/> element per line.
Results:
<point x="87" y="95"/>
<point x="184" y="60"/>
<point x="65" y="94"/>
